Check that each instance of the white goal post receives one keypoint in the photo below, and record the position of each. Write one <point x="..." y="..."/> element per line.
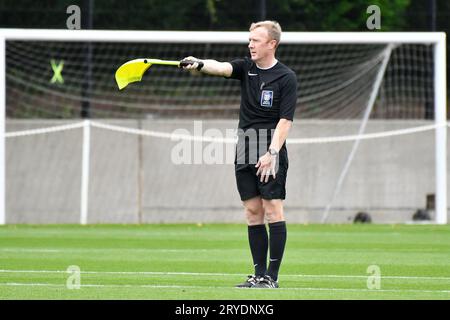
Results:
<point x="436" y="39"/>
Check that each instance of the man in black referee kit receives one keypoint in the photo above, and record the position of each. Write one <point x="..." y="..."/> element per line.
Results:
<point x="268" y="101"/>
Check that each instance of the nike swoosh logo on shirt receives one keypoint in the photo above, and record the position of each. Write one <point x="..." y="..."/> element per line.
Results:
<point x="252" y="74"/>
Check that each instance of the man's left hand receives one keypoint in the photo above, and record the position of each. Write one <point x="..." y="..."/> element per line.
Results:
<point x="266" y="166"/>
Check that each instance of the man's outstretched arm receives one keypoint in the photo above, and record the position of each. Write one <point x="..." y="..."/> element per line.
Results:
<point x="211" y="67"/>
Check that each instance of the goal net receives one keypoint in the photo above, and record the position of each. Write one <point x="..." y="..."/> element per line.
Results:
<point x="369" y="132"/>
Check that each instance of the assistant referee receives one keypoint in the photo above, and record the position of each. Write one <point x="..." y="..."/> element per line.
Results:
<point x="268" y="101"/>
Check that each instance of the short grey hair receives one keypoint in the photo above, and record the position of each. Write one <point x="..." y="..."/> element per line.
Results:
<point x="273" y="28"/>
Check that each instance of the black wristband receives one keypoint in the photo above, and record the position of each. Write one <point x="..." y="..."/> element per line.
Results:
<point x="200" y="65"/>
<point x="186" y="62"/>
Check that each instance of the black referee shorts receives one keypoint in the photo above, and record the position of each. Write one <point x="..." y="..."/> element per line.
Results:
<point x="249" y="185"/>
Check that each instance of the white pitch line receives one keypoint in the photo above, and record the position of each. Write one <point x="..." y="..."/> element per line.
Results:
<point x="15" y="284"/>
<point x="30" y="250"/>
<point x="109" y="249"/>
<point x="224" y="274"/>
<point x="80" y="250"/>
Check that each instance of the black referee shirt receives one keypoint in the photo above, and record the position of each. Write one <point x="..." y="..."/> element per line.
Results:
<point x="267" y="95"/>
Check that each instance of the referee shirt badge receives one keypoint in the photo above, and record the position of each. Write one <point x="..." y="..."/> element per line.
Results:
<point x="266" y="98"/>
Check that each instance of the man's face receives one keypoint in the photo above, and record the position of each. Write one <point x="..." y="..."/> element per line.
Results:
<point x="260" y="45"/>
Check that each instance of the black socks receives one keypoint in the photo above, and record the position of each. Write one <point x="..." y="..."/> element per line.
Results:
<point x="257" y="237"/>
<point x="278" y="235"/>
<point x="259" y="244"/>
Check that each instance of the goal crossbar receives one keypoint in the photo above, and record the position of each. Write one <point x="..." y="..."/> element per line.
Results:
<point x="218" y="36"/>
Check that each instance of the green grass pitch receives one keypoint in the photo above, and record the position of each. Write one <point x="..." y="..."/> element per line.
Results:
<point x="206" y="261"/>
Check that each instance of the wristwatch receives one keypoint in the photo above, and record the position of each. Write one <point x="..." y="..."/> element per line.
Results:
<point x="273" y="152"/>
